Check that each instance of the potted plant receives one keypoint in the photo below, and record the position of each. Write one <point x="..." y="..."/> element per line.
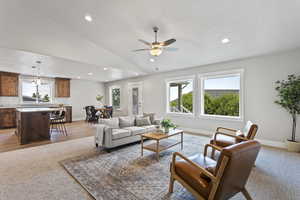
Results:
<point x="99" y="99"/>
<point x="167" y="124"/>
<point x="289" y="99"/>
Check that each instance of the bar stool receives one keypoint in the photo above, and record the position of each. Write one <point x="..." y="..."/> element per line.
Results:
<point x="62" y="121"/>
<point x="57" y="120"/>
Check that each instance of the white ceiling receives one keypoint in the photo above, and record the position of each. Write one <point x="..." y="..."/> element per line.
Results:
<point x="55" y="32"/>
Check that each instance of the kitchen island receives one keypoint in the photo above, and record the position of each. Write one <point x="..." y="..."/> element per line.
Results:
<point x="33" y="124"/>
<point x="8" y="113"/>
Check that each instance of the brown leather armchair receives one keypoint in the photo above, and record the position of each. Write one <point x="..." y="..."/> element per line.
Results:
<point x="207" y="179"/>
<point x="225" y="136"/>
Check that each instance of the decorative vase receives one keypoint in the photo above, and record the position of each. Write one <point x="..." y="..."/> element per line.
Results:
<point x="167" y="129"/>
<point x="293" y="146"/>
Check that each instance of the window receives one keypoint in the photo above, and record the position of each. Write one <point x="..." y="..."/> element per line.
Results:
<point x="180" y="96"/>
<point x="221" y="95"/>
<point x="36" y="91"/>
<point x="115" y="97"/>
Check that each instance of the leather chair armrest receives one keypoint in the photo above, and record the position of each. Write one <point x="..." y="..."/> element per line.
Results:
<point x="230" y="135"/>
<point x="203" y="170"/>
<point x="226" y="129"/>
<point x="212" y="146"/>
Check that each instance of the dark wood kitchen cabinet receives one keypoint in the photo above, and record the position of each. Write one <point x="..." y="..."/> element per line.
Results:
<point x="62" y="87"/>
<point x="7" y="118"/>
<point x="68" y="114"/>
<point x="9" y="84"/>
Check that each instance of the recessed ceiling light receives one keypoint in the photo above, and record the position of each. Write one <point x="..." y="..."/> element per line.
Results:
<point x="151" y="60"/>
<point x="225" y="41"/>
<point x="136" y="74"/>
<point x="88" y="18"/>
<point x="90" y="73"/>
<point x="105" y="68"/>
<point x="78" y="77"/>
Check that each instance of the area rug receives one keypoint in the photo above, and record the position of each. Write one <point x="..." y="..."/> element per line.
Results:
<point x="124" y="175"/>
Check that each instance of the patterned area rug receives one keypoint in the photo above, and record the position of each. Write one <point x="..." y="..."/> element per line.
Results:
<point x="124" y="175"/>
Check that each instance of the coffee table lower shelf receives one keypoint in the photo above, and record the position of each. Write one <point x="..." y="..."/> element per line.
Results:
<point x="161" y="141"/>
<point x="163" y="145"/>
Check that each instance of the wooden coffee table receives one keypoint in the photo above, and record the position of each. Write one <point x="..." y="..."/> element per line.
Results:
<point x="162" y="143"/>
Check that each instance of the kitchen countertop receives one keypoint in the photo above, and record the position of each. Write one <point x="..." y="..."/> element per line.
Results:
<point x="31" y="106"/>
<point x="37" y="109"/>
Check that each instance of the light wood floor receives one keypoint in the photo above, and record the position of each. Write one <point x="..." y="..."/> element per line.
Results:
<point x="79" y="129"/>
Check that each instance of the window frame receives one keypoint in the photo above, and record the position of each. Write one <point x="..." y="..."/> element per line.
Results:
<point x="30" y="79"/>
<point x="176" y="79"/>
<point x="219" y="74"/>
<point x="110" y="95"/>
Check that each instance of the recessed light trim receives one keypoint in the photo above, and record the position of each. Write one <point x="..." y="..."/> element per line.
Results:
<point x="78" y="77"/>
<point x="88" y="18"/>
<point x="151" y="60"/>
<point x="225" y="40"/>
<point x="90" y="73"/>
<point x="105" y="68"/>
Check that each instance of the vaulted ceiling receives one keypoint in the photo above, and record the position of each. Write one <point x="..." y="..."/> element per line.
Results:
<point x="56" y="33"/>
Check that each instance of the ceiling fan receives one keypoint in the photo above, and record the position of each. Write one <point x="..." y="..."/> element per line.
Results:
<point x="156" y="48"/>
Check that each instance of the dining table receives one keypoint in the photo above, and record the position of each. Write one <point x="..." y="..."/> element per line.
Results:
<point x="104" y="112"/>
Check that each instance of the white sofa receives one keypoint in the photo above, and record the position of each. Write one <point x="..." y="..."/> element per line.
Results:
<point x="119" y="131"/>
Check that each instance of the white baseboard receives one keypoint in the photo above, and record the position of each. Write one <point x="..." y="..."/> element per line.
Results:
<point x="78" y="119"/>
<point x="197" y="131"/>
<point x="270" y="143"/>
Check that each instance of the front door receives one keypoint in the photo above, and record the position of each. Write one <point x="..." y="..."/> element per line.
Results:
<point x="135" y="99"/>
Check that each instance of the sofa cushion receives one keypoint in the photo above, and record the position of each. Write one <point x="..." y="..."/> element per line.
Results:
<point x="120" y="133"/>
<point x="126" y="121"/>
<point x="135" y="130"/>
<point x="150" y="128"/>
<point x="111" y="123"/>
<point x="151" y="115"/>
<point x="143" y="121"/>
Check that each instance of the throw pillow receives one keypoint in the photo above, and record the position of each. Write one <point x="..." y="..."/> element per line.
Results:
<point x="143" y="121"/>
<point x="151" y="115"/>
<point x="111" y="123"/>
<point x="126" y="121"/>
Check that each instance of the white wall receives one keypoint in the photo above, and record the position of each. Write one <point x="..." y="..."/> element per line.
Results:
<point x="83" y="93"/>
<point x="260" y="75"/>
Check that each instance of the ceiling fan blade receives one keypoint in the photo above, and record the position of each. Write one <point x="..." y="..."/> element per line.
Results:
<point x="171" y="49"/>
<point x="145" y="42"/>
<point x="140" y="50"/>
<point x="168" y="42"/>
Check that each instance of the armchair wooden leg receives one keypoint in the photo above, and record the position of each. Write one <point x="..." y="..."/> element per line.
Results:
<point x="246" y="194"/>
<point x="171" y="185"/>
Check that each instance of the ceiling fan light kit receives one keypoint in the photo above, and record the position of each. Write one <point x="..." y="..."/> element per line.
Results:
<point x="156" y="48"/>
<point x="156" y="51"/>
